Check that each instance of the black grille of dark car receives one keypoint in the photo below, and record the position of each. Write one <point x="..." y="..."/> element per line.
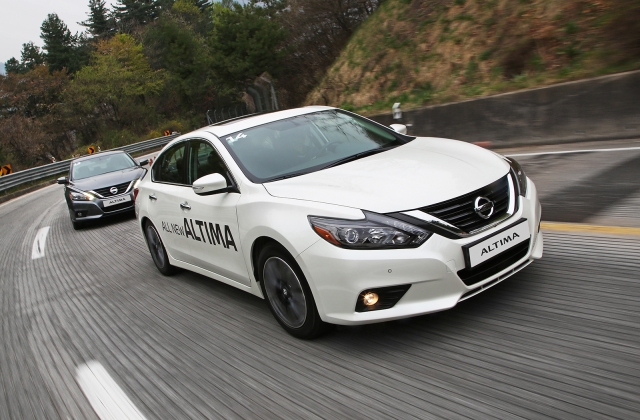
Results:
<point x="460" y="210"/>
<point x="496" y="264"/>
<point x="117" y="207"/>
<point x="106" y="193"/>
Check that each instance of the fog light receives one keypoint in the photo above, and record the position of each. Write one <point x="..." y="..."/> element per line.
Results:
<point x="370" y="298"/>
<point x="380" y="298"/>
<point x="80" y="214"/>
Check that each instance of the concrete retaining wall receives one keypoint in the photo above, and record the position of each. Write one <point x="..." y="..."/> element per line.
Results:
<point x="603" y="108"/>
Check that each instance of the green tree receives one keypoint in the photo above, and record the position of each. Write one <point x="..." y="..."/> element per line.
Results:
<point x="131" y="13"/>
<point x="118" y="83"/>
<point x="244" y="43"/>
<point x="100" y="23"/>
<point x="63" y="50"/>
<point x="31" y="57"/>
<point x="12" y="66"/>
<point x="173" y="43"/>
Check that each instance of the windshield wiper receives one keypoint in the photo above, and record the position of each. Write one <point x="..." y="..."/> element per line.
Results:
<point x="291" y="175"/>
<point x="358" y="156"/>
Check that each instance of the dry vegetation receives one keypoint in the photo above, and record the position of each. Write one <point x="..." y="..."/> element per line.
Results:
<point x="422" y="52"/>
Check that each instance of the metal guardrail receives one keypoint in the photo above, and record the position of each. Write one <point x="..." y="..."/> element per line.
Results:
<point x="223" y="114"/>
<point x="33" y="174"/>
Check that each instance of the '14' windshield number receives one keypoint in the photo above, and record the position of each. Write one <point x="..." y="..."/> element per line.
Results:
<point x="231" y="140"/>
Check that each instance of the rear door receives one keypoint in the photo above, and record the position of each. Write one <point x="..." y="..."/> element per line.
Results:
<point x="166" y="200"/>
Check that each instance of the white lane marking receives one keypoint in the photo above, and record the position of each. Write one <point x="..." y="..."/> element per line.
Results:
<point x="39" y="243"/>
<point x="564" y="152"/>
<point x="105" y="396"/>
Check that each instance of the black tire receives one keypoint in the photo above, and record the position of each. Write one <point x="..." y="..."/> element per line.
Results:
<point x="288" y="294"/>
<point x="156" y="248"/>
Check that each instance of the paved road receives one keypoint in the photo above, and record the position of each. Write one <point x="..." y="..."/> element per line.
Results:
<point x="586" y="185"/>
<point x="558" y="340"/>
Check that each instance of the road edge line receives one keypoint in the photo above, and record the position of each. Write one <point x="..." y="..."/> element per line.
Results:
<point x="586" y="228"/>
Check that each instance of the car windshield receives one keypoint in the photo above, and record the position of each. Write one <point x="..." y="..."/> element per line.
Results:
<point x="101" y="165"/>
<point x="306" y="143"/>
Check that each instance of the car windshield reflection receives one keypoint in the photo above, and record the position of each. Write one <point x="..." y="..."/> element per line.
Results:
<point x="101" y="165"/>
<point x="304" y="144"/>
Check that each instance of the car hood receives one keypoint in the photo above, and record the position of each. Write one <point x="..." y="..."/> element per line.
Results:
<point x="109" y="179"/>
<point x="422" y="172"/>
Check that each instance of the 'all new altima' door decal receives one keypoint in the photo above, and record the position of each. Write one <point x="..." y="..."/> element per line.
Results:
<point x="214" y="235"/>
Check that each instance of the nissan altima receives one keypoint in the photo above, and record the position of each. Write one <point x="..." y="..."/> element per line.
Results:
<point x="335" y="219"/>
<point x="100" y="185"/>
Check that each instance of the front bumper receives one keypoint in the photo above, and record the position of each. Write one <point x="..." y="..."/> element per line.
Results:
<point x="337" y="276"/>
<point x="90" y="210"/>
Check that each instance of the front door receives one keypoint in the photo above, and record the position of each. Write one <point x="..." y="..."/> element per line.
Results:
<point x="212" y="219"/>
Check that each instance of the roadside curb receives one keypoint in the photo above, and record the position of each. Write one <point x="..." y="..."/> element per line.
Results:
<point x="585" y="228"/>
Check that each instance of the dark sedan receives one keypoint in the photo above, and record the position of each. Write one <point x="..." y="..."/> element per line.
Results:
<point x="101" y="185"/>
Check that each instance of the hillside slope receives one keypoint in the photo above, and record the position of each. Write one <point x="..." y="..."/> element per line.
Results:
<point x="422" y="52"/>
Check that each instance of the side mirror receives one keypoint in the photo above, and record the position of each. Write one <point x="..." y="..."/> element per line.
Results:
<point x="63" y="180"/>
<point x="399" y="128"/>
<point x="210" y="184"/>
<point x="143" y="162"/>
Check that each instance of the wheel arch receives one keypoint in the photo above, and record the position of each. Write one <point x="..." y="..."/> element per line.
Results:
<point x="258" y="245"/>
<point x="143" y="222"/>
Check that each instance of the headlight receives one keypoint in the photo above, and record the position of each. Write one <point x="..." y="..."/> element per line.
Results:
<point x="135" y="189"/>
<point x="373" y="232"/>
<point x="519" y="174"/>
<point x="80" y="196"/>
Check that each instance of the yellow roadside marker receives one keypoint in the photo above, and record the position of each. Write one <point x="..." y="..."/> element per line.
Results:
<point x="580" y="227"/>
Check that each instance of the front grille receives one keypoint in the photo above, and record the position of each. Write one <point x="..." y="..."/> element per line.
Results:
<point x="493" y="282"/>
<point x="496" y="264"/>
<point x="460" y="211"/>
<point x="104" y="192"/>
<point x="116" y="207"/>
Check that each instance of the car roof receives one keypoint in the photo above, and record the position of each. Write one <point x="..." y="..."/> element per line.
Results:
<point x="87" y="157"/>
<point x="231" y="126"/>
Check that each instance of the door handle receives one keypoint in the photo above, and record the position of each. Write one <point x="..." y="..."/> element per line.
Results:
<point x="152" y="197"/>
<point x="185" y="206"/>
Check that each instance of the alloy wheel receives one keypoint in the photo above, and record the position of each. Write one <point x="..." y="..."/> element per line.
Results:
<point x="284" y="292"/>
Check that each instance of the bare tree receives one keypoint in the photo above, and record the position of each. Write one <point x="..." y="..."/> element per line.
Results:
<point x="317" y="32"/>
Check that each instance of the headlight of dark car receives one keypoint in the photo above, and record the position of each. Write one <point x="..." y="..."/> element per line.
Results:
<point x="519" y="175"/>
<point x="77" y="195"/>
<point x="373" y="232"/>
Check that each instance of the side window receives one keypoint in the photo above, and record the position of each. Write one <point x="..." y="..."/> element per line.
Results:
<point x="204" y="161"/>
<point x="172" y="165"/>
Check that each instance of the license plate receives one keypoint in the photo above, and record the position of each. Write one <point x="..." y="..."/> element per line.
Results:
<point x="117" y="200"/>
<point x="487" y="248"/>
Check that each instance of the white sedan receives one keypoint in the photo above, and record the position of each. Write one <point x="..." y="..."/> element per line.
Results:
<point x="335" y="219"/>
